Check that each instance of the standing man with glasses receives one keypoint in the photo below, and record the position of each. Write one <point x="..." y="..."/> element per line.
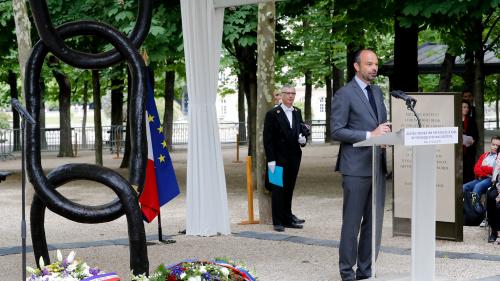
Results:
<point x="283" y="139"/>
<point x="358" y="113"/>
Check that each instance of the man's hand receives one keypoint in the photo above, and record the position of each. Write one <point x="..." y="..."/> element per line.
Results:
<point x="382" y="129"/>
<point x="271" y="165"/>
<point x="302" y="139"/>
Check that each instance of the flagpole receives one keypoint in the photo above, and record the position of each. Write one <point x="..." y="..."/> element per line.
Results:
<point x="160" y="235"/>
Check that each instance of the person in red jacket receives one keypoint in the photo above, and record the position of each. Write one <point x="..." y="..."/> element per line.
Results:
<point x="483" y="170"/>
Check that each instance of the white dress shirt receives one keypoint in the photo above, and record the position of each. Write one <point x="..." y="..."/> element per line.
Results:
<point x="288" y="113"/>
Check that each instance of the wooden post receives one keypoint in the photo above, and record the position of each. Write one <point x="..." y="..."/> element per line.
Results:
<point x="237" y="149"/>
<point x="76" y="144"/>
<point x="118" y="133"/>
<point x="250" y="193"/>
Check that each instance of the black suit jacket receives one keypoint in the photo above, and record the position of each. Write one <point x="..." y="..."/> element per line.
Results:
<point x="280" y="141"/>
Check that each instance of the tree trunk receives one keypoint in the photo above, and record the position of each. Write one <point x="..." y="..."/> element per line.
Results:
<point x="336" y="83"/>
<point x="126" y="154"/>
<point x="352" y="48"/>
<point x="85" y="105"/>
<point x="23" y="38"/>
<point x="251" y="118"/>
<point x="247" y="65"/>
<point x="65" y="144"/>
<point x="96" y="94"/>
<point x="308" y="95"/>
<point x="479" y="96"/>
<point x="477" y="73"/>
<point x="241" y="108"/>
<point x="12" y="81"/>
<point x="405" y="76"/>
<point x="117" y="87"/>
<point x="168" y="116"/>
<point x="468" y="75"/>
<point x="446" y="73"/>
<point x="307" y="80"/>
<point x="23" y="35"/>
<point x="265" y="100"/>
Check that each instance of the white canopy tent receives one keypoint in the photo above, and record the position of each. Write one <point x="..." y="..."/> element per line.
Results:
<point x="207" y="209"/>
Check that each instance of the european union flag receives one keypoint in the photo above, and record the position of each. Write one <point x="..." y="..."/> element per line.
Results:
<point x="160" y="185"/>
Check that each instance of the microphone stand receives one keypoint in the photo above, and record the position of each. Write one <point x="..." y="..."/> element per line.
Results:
<point x="410" y="104"/>
<point x="25" y="117"/>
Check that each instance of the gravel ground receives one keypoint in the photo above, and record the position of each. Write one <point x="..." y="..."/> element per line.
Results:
<point x="318" y="199"/>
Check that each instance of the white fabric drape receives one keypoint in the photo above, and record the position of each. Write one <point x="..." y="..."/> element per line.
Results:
<point x="207" y="208"/>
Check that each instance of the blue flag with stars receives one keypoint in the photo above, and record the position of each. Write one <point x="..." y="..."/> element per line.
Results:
<point x="160" y="185"/>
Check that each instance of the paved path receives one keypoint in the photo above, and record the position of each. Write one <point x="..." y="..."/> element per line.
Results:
<point x="296" y="255"/>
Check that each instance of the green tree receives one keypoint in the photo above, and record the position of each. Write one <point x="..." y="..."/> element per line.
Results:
<point x="474" y="25"/>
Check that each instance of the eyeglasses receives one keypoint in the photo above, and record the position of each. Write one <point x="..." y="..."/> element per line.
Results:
<point x="288" y="93"/>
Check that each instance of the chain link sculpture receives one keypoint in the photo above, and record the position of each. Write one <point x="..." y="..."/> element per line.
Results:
<point x="46" y="195"/>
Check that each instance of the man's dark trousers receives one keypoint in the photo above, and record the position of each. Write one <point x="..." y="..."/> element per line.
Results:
<point x="358" y="192"/>
<point x="282" y="196"/>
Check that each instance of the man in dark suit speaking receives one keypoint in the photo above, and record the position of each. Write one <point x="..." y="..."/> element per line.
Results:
<point x="283" y="137"/>
<point x="358" y="113"/>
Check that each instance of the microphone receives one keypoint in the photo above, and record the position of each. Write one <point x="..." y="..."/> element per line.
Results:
<point x="410" y="102"/>
<point x="22" y="111"/>
<point x="402" y="95"/>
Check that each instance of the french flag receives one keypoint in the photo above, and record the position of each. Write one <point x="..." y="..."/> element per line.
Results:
<point x="160" y="185"/>
<point x="103" y="277"/>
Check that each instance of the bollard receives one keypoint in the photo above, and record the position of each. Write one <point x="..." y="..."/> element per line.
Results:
<point x="249" y="194"/>
<point x="76" y="145"/>
<point x="237" y="149"/>
<point x="118" y="133"/>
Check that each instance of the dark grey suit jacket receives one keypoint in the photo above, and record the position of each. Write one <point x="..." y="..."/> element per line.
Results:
<point x="351" y="117"/>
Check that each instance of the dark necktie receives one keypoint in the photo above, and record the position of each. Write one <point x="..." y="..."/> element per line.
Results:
<point x="371" y="99"/>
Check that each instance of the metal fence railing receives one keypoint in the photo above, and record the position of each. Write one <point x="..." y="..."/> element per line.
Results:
<point x="113" y="137"/>
<point x="318" y="130"/>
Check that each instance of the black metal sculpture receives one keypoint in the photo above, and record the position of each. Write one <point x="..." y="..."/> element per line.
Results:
<point x="46" y="195"/>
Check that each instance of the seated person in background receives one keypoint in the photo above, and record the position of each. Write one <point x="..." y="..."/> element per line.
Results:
<point x="493" y="204"/>
<point x="493" y="209"/>
<point x="483" y="170"/>
<point x="470" y="138"/>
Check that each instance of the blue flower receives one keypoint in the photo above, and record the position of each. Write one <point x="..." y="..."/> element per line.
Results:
<point x="177" y="270"/>
<point x="45" y="271"/>
<point x="94" y="270"/>
<point x="206" y="276"/>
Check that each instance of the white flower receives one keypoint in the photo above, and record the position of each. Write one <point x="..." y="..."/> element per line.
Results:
<point x="183" y="275"/>
<point x="203" y="269"/>
<point x="71" y="257"/>
<point x="31" y="270"/>
<point x="59" y="255"/>
<point x="195" y="278"/>
<point x="41" y="262"/>
<point x="224" y="271"/>
<point x="72" y="267"/>
<point x="141" y="277"/>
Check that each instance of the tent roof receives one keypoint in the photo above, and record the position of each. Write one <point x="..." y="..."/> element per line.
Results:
<point x="431" y="56"/>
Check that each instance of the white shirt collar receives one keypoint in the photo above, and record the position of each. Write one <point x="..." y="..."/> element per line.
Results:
<point x="360" y="82"/>
<point x="286" y="108"/>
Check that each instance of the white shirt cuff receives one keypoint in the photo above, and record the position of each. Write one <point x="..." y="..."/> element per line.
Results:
<point x="368" y="135"/>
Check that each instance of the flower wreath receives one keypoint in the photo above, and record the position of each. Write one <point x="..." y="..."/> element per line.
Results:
<point x="195" y="270"/>
<point x="68" y="269"/>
